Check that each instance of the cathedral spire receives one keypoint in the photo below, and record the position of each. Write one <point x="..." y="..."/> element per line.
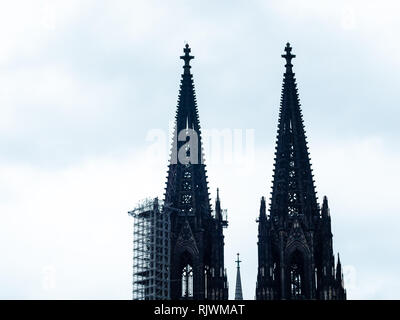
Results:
<point x="187" y="186"/>
<point x="295" y="255"/>
<point x="187" y="126"/>
<point x="293" y="191"/>
<point x="238" y="289"/>
<point x="197" y="241"/>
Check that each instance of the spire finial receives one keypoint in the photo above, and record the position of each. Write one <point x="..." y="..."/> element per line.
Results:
<point x="217" y="193"/>
<point x="288" y="56"/>
<point x="187" y="57"/>
<point x="238" y="261"/>
<point x="238" y="289"/>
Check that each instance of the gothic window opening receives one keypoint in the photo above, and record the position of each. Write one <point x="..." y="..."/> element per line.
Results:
<point x="186" y="199"/>
<point x="187" y="282"/>
<point x="275" y="271"/>
<point x="206" y="273"/>
<point x="296" y="276"/>
<point x="187" y="185"/>
<point x="316" y="278"/>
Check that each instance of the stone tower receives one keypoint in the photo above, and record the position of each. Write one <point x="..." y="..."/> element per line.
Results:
<point x="197" y="241"/>
<point x="295" y="252"/>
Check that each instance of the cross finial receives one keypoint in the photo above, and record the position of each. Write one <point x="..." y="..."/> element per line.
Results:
<point x="187" y="57"/>
<point x="288" y="56"/>
<point x="238" y="261"/>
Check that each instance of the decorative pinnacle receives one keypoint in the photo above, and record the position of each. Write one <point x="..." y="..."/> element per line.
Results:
<point x="187" y="57"/>
<point x="238" y="261"/>
<point x="288" y="56"/>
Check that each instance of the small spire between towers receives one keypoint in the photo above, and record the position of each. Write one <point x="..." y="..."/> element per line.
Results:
<point x="238" y="290"/>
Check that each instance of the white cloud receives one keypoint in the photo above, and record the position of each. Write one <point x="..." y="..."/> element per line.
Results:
<point x="25" y="26"/>
<point x="365" y="168"/>
<point x="73" y="221"/>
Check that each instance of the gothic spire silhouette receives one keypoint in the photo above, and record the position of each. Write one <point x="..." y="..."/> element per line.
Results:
<point x="238" y="288"/>
<point x="197" y="241"/>
<point x="187" y="187"/>
<point x="295" y="253"/>
<point x="293" y="191"/>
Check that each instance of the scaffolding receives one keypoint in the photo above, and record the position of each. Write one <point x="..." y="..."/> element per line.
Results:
<point x="151" y="248"/>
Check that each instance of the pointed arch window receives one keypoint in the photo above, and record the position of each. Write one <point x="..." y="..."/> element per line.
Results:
<point x="296" y="274"/>
<point x="187" y="281"/>
<point x="206" y="275"/>
<point x="295" y="279"/>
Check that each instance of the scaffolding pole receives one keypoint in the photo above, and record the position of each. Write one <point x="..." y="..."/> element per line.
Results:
<point x="151" y="248"/>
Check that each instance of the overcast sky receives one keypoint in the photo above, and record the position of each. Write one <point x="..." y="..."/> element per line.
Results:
<point x="85" y="84"/>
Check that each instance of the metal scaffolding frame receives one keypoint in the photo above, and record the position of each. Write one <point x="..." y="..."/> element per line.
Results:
<point x="151" y="251"/>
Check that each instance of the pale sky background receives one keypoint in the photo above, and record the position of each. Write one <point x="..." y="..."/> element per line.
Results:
<point x="83" y="83"/>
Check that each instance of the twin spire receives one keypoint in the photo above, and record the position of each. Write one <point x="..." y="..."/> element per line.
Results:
<point x="293" y="195"/>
